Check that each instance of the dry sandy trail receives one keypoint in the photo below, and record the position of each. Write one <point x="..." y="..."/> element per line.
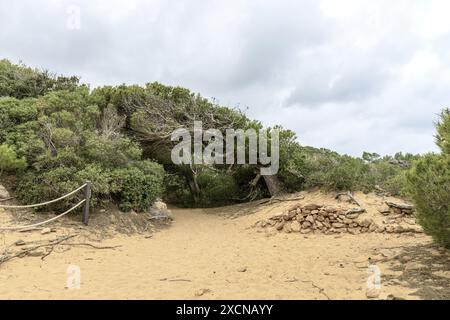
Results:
<point x="203" y="250"/>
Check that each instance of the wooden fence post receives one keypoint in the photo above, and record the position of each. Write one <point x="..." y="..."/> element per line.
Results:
<point x="87" y="196"/>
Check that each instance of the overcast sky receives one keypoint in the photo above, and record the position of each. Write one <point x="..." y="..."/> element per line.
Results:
<point x="351" y="76"/>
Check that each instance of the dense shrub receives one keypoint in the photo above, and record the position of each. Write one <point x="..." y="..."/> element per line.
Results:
<point x="20" y="81"/>
<point x="429" y="186"/>
<point x="9" y="160"/>
<point x="138" y="187"/>
<point x="218" y="188"/>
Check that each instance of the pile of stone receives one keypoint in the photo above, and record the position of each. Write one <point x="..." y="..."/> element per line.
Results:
<point x="397" y="209"/>
<point x="313" y="218"/>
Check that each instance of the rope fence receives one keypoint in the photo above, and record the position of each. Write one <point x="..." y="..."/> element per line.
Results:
<point x="85" y="215"/>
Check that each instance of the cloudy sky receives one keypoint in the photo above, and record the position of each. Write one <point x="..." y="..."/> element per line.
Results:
<point x="351" y="75"/>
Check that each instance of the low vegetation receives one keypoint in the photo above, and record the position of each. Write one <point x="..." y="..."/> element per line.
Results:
<point x="57" y="133"/>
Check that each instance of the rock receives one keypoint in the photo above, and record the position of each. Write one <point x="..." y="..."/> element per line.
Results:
<point x="291" y="215"/>
<point x="324" y="213"/>
<point x="310" y="219"/>
<point x="411" y="266"/>
<point x="19" y="242"/>
<point x="312" y="207"/>
<point x="4" y="194"/>
<point x="330" y="210"/>
<point x="338" y="225"/>
<point x="392" y="297"/>
<point x="46" y="231"/>
<point x="320" y="218"/>
<point x="347" y="221"/>
<point x="295" y="226"/>
<point x="279" y="226"/>
<point x="405" y="259"/>
<point x="306" y="225"/>
<point x="242" y="269"/>
<point x="373" y="227"/>
<point x="401" y="206"/>
<point x="315" y="212"/>
<point x="352" y="216"/>
<point x="159" y="205"/>
<point x="36" y="253"/>
<point x="159" y="211"/>
<point x="305" y="231"/>
<point x="287" y="228"/>
<point x="365" y="223"/>
<point x="355" y="210"/>
<point x="373" y="293"/>
<point x="201" y="292"/>
<point x="384" y="210"/>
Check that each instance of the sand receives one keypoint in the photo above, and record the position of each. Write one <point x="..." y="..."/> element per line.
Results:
<point x="205" y="254"/>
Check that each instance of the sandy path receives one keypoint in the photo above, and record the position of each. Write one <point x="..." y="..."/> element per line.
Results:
<point x="207" y="250"/>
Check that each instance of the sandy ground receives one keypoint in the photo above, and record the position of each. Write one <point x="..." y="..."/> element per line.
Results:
<point x="206" y="254"/>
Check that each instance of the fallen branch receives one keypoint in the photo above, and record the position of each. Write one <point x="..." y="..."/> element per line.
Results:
<point x="321" y="290"/>
<point x="49" y="245"/>
<point x="175" y="280"/>
<point x="348" y="194"/>
<point x="26" y="251"/>
<point x="7" y="199"/>
<point x="92" y="246"/>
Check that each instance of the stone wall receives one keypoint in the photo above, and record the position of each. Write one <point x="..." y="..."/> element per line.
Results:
<point x="313" y="218"/>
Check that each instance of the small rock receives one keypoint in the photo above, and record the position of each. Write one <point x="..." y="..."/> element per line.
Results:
<point x="312" y="207"/>
<point x="4" y="194"/>
<point x="310" y="219"/>
<point x="365" y="223"/>
<point x="19" y="242"/>
<point x="338" y="225"/>
<point x="306" y="225"/>
<point x="287" y="228"/>
<point x="352" y="216"/>
<point x="46" y="231"/>
<point x="36" y="253"/>
<point x="372" y="293"/>
<point x="242" y="269"/>
<point x="405" y="259"/>
<point x="159" y="205"/>
<point x="295" y="226"/>
<point x="384" y="210"/>
<point x="411" y="266"/>
<point x="201" y="292"/>
<point x="279" y="225"/>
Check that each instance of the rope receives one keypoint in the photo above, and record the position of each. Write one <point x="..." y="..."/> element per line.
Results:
<point x="43" y="222"/>
<point x="44" y="203"/>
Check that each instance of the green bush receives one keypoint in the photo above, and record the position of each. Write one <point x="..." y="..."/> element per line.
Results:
<point x="21" y="82"/>
<point x="429" y="186"/>
<point x="9" y="160"/>
<point x="137" y="188"/>
<point x="217" y="188"/>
